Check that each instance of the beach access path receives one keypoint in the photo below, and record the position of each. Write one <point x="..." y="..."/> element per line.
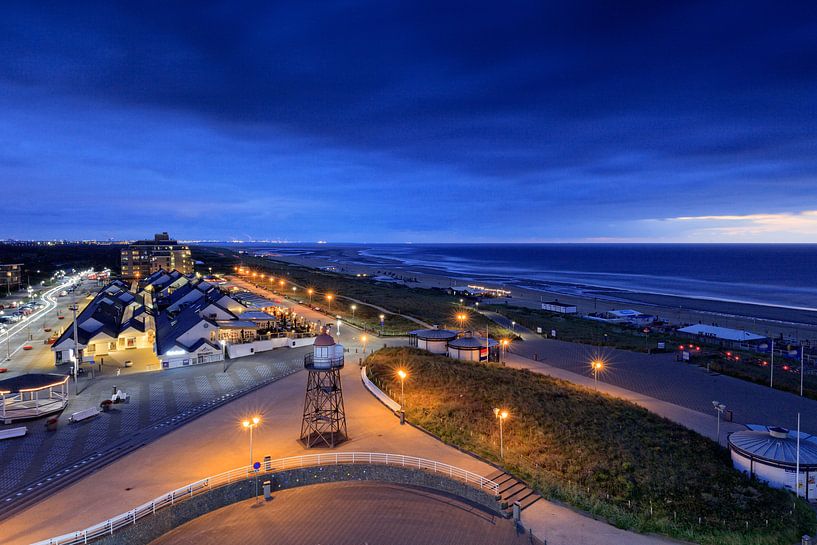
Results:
<point x="661" y="384"/>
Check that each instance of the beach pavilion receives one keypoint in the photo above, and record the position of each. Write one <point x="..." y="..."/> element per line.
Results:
<point x="433" y="340"/>
<point x="470" y="348"/>
<point x="32" y="395"/>
<point x="770" y="453"/>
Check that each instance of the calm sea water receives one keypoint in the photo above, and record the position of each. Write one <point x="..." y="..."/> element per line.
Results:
<point x="778" y="275"/>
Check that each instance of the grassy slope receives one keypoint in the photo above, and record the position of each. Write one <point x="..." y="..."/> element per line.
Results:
<point x="601" y="454"/>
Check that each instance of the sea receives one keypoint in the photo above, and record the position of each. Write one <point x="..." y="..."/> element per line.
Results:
<point x="779" y="275"/>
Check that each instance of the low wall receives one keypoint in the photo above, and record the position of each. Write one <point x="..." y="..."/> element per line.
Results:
<point x="149" y="528"/>
<point x="247" y="349"/>
<point x="304" y="341"/>
<point x="377" y="392"/>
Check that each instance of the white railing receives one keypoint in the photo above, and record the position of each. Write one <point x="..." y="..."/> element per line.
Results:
<point x="312" y="460"/>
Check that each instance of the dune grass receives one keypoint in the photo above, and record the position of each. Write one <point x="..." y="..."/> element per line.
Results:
<point x="603" y="455"/>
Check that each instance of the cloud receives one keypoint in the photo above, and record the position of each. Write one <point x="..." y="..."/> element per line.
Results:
<point x="781" y="227"/>
<point x="526" y="121"/>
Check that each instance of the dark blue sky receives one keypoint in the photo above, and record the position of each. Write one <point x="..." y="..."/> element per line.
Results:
<point x="380" y="121"/>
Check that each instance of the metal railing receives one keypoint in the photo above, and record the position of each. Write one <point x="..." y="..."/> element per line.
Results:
<point x="294" y="462"/>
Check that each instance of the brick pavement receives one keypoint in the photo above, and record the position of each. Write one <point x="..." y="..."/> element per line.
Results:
<point x="349" y="514"/>
<point x="155" y="398"/>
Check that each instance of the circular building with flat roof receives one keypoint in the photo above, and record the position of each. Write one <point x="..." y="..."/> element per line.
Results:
<point x="471" y="348"/>
<point x="32" y="395"/>
<point x="433" y="340"/>
<point x="770" y="454"/>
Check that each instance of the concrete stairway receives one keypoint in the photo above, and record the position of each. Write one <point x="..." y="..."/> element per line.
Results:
<point x="512" y="490"/>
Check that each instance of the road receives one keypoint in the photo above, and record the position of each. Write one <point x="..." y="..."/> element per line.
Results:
<point x="21" y="331"/>
<point x="661" y="378"/>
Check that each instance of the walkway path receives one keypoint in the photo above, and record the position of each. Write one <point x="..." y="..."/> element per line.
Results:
<point x="662" y="379"/>
<point x="216" y="442"/>
<point x="158" y="403"/>
<point x="253" y="287"/>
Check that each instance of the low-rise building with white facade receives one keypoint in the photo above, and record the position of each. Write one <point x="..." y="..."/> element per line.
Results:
<point x="560" y="308"/>
<point x="114" y="321"/>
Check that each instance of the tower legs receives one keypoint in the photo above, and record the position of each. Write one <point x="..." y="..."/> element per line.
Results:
<point x="324" y="420"/>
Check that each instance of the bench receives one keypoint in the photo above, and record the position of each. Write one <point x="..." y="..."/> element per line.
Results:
<point x="83" y="414"/>
<point x="13" y="432"/>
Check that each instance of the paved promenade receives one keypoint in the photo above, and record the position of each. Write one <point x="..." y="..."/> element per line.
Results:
<point x="662" y="378"/>
<point x="349" y="514"/>
<point x="216" y="442"/>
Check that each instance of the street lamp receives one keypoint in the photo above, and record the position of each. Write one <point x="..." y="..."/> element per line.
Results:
<point x="310" y="291"/>
<point x="513" y="326"/>
<point x="501" y="415"/>
<point x="719" y="409"/>
<point x="597" y="366"/>
<point x="363" y="339"/>
<point x="402" y="374"/>
<point x="505" y="344"/>
<point x="249" y="425"/>
<point x="382" y="320"/>
<point x="354" y="308"/>
<point x="461" y="318"/>
<point x="329" y="297"/>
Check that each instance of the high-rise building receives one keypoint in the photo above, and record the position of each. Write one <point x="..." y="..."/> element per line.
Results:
<point x="11" y="274"/>
<point x="144" y="257"/>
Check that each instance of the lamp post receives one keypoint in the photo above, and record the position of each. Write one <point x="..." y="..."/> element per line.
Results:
<point x="310" y="291"/>
<point x="382" y="320"/>
<point x="76" y="348"/>
<point x="363" y="339"/>
<point x="461" y="318"/>
<point x="250" y="424"/>
<point x="504" y="348"/>
<point x="719" y="409"/>
<point x="329" y="298"/>
<point x="402" y="374"/>
<point x="513" y="326"/>
<point x="501" y="415"/>
<point x="354" y="308"/>
<point x="223" y="354"/>
<point x="597" y="366"/>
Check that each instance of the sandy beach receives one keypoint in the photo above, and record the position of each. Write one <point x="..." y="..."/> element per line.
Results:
<point x="761" y="319"/>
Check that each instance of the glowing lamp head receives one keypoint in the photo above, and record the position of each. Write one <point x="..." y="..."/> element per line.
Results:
<point x="402" y="374"/>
